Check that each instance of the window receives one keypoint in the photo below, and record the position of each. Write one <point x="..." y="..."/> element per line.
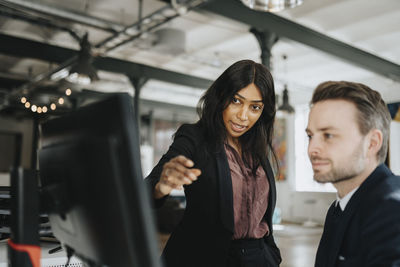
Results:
<point x="303" y="171"/>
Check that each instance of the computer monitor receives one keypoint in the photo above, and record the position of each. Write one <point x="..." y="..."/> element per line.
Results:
<point x="11" y="145"/>
<point x="91" y="180"/>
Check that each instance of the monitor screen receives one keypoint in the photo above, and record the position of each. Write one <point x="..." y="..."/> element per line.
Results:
<point x="93" y="188"/>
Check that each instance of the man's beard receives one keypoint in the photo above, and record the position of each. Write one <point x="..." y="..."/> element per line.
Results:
<point x="349" y="169"/>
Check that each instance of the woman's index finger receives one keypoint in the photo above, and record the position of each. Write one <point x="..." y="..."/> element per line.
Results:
<point x="184" y="161"/>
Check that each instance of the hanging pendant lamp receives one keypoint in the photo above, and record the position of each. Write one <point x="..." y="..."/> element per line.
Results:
<point x="286" y="107"/>
<point x="271" y="5"/>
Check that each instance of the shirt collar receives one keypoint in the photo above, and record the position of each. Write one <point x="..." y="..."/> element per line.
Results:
<point x="344" y="200"/>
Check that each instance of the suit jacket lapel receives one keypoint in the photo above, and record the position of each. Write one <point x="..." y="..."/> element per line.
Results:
<point x="325" y="242"/>
<point x="340" y="230"/>
<point x="272" y="192"/>
<point x="225" y="190"/>
<point x="351" y="207"/>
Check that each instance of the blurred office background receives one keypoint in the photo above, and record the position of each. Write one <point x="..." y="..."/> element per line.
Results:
<point x="59" y="55"/>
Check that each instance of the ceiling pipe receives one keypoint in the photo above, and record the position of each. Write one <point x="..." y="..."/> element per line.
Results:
<point x="65" y="15"/>
<point x="147" y="24"/>
<point x="39" y="21"/>
<point x="127" y="34"/>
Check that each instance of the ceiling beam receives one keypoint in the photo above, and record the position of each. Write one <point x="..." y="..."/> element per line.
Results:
<point x="294" y="31"/>
<point x="20" y="47"/>
<point x="146" y="103"/>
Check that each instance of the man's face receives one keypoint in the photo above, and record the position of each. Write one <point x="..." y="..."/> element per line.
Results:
<point x="336" y="148"/>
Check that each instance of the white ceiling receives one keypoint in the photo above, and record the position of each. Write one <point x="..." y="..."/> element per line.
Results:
<point x="213" y="42"/>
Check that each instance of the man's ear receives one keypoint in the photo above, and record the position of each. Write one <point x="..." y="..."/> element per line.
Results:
<point x="375" y="137"/>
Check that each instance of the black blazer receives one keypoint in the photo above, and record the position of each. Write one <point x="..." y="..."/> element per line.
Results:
<point x="203" y="236"/>
<point x="367" y="233"/>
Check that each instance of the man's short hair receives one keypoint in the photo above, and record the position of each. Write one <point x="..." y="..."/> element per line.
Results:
<point x="372" y="110"/>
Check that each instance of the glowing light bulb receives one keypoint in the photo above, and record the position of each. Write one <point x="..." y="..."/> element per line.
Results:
<point x="27" y="105"/>
<point x="44" y="109"/>
<point x="53" y="106"/>
<point x="34" y="108"/>
<point x="68" y="92"/>
<point x="39" y="110"/>
<point x="61" y="101"/>
<point x="23" y="100"/>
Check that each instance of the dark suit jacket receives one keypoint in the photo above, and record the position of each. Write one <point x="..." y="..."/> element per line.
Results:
<point x="203" y="236"/>
<point x="367" y="233"/>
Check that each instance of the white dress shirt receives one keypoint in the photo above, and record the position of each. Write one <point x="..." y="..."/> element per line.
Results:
<point x="344" y="200"/>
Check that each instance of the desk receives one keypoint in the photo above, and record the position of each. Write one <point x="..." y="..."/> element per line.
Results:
<point x="47" y="260"/>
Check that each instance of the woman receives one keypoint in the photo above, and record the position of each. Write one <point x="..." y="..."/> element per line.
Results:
<point x="222" y="164"/>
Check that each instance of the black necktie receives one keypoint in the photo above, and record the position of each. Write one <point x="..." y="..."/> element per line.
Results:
<point x="337" y="211"/>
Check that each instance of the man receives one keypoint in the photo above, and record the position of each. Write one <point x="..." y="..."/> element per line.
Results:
<point x="348" y="131"/>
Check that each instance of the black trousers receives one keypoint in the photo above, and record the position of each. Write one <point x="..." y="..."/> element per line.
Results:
<point x="248" y="253"/>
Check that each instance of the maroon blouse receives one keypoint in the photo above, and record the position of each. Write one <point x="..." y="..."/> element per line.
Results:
<point x="250" y="197"/>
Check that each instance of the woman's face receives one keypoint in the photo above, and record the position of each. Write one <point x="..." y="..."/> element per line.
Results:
<point x="242" y="112"/>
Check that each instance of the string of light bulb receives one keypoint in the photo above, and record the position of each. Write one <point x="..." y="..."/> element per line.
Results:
<point x="43" y="108"/>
